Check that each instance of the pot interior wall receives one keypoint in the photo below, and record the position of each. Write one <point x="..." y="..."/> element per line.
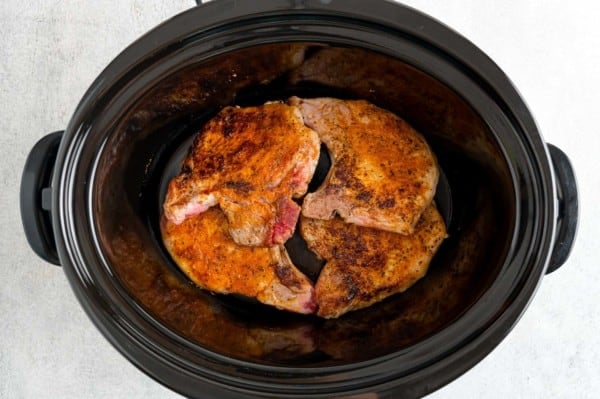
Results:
<point x="133" y="163"/>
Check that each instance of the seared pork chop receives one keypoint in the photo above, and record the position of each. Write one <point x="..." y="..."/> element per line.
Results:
<point x="383" y="173"/>
<point x="202" y="247"/>
<point x="250" y="161"/>
<point x="365" y="265"/>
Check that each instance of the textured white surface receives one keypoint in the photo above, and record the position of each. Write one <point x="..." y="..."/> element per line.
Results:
<point x="52" y="50"/>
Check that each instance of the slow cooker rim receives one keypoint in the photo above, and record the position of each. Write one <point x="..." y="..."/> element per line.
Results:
<point x="75" y="144"/>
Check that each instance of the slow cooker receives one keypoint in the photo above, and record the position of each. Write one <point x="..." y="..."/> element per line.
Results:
<point x="91" y="199"/>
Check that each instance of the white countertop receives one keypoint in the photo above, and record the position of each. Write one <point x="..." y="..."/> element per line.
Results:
<point x="52" y="50"/>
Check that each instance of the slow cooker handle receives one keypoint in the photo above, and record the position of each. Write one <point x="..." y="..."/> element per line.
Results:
<point x="568" y="208"/>
<point x="36" y="198"/>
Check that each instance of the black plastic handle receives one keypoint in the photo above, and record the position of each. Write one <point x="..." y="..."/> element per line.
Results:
<point x="568" y="208"/>
<point x="36" y="198"/>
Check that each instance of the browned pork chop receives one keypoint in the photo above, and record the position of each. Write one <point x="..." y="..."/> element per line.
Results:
<point x="365" y="265"/>
<point x="383" y="173"/>
<point x="250" y="161"/>
<point x="202" y="247"/>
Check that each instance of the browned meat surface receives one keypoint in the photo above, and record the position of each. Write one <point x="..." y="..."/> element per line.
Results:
<point x="202" y="247"/>
<point x="404" y="90"/>
<point x="365" y="265"/>
<point x="250" y="161"/>
<point x="383" y="173"/>
<point x="196" y="314"/>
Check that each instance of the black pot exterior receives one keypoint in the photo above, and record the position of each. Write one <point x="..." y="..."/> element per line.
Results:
<point x="225" y="26"/>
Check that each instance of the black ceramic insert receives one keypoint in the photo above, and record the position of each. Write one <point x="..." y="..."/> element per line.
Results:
<point x="509" y="200"/>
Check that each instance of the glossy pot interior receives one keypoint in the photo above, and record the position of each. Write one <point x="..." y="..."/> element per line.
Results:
<point x="136" y="121"/>
<point x="140" y="154"/>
